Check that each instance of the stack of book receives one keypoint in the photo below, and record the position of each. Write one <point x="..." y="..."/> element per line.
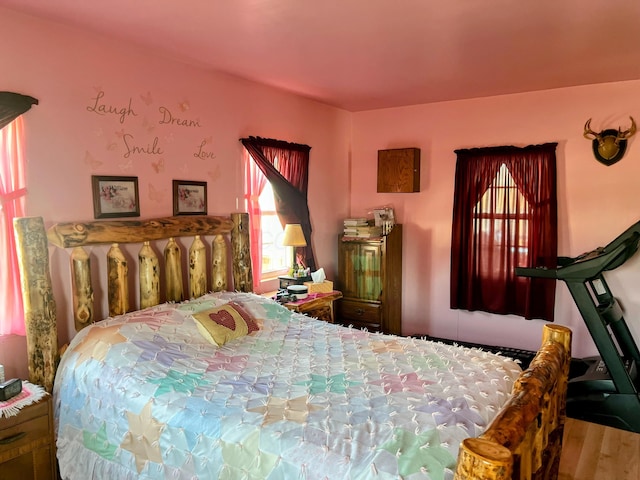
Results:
<point x="360" y="228"/>
<point x="351" y="225"/>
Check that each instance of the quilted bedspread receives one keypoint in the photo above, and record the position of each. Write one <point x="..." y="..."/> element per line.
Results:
<point x="144" y="395"/>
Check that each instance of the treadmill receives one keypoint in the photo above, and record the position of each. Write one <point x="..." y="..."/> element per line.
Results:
<point x="608" y="391"/>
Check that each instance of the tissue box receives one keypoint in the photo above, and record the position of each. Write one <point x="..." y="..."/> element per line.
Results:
<point x="320" y="287"/>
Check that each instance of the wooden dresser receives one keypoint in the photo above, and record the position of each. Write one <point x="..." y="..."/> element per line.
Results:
<point x="370" y="279"/>
<point x="27" y="450"/>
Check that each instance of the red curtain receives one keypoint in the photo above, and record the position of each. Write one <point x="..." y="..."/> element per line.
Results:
<point x="493" y="232"/>
<point x="286" y="166"/>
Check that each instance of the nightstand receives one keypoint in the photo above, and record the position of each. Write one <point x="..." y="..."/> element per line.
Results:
<point x="316" y="305"/>
<point x="27" y="449"/>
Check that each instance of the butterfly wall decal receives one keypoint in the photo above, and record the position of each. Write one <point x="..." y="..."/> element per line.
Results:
<point x="148" y="125"/>
<point x="215" y="173"/>
<point x="158" y="166"/>
<point x="91" y="161"/>
<point x="146" y="98"/>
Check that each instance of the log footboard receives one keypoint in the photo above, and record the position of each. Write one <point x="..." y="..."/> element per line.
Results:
<point x="524" y="441"/>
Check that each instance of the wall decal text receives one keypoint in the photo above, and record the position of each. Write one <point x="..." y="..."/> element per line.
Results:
<point x="203" y="154"/>
<point x="103" y="109"/>
<point x="150" y="149"/>
<point x="168" y="118"/>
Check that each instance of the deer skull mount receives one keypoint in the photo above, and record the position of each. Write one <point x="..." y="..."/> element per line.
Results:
<point x="609" y="146"/>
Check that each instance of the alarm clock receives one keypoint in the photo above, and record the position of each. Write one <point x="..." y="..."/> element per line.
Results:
<point x="10" y="389"/>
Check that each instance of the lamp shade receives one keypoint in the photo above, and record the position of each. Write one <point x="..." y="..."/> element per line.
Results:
<point x="293" y="236"/>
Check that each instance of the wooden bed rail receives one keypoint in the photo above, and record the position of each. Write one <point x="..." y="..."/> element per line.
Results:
<point x="524" y="441"/>
<point x="32" y="241"/>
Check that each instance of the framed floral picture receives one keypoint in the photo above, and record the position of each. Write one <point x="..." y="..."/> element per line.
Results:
<point x="115" y="197"/>
<point x="189" y="197"/>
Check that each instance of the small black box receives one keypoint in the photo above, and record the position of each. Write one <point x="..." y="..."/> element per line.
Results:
<point x="286" y="280"/>
<point x="10" y="389"/>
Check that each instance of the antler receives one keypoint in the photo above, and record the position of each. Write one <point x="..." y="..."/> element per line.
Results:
<point x="627" y="133"/>
<point x="588" y="131"/>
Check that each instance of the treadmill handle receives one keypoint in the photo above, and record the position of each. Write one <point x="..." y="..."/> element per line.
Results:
<point x="542" y="272"/>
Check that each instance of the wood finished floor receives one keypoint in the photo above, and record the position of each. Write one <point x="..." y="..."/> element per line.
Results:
<point x="592" y="451"/>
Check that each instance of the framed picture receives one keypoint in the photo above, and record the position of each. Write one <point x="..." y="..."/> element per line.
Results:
<point x="385" y="218"/>
<point x="115" y="197"/>
<point x="189" y="198"/>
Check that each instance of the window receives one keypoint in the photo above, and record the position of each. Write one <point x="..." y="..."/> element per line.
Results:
<point x="284" y="167"/>
<point x="12" y="193"/>
<point x="275" y="257"/>
<point x="504" y="216"/>
<point x="501" y="219"/>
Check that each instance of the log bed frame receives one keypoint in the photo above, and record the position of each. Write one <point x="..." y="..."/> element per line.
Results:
<point x="524" y="441"/>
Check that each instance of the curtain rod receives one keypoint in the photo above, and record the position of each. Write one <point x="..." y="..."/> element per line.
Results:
<point x="270" y="142"/>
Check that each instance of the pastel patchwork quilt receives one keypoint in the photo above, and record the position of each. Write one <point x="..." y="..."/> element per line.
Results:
<point x="147" y="395"/>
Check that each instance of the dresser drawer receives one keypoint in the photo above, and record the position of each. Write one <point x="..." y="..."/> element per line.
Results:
<point x="27" y="451"/>
<point x="33" y="432"/>
<point x="32" y="429"/>
<point x="365" y="313"/>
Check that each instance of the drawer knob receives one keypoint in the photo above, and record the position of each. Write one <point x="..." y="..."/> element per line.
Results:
<point x="12" y="438"/>
<point x="360" y="311"/>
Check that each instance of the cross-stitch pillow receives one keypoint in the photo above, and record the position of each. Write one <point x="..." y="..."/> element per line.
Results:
<point x="229" y="321"/>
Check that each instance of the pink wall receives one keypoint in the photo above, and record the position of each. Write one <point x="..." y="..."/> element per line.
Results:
<point x="596" y="203"/>
<point x="66" y="69"/>
<point x="80" y="77"/>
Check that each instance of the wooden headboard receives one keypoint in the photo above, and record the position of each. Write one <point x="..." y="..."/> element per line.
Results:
<point x="155" y="283"/>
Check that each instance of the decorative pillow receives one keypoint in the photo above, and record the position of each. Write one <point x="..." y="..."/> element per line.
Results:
<point x="226" y="322"/>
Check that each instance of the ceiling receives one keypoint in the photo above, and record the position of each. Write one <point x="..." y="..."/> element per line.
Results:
<point x="369" y="54"/>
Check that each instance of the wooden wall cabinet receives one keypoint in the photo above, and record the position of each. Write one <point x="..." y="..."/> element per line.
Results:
<point x="27" y="448"/>
<point x="370" y="279"/>
<point x="399" y="170"/>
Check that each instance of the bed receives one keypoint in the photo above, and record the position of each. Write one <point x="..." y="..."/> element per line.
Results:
<point x="204" y="379"/>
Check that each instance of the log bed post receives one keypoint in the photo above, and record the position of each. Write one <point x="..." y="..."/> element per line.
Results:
<point x="82" y="288"/>
<point x="117" y="281"/>
<point x="242" y="277"/>
<point x="149" y="273"/>
<point x="197" y="268"/>
<point x="38" y="301"/>
<point x="173" y="265"/>
<point x="218" y="264"/>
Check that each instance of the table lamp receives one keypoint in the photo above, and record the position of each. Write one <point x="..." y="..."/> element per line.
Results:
<point x="293" y="237"/>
